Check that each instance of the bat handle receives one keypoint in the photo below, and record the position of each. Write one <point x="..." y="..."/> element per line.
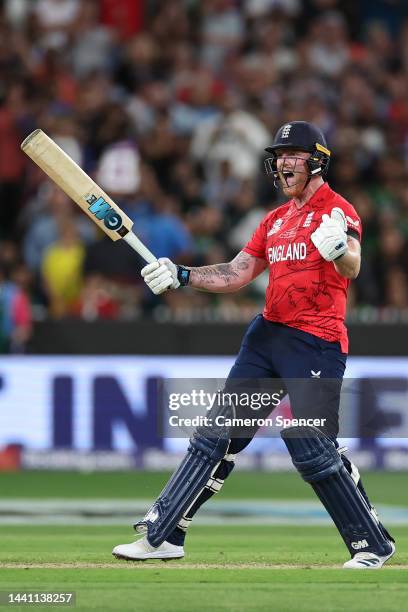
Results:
<point x="139" y="247"/>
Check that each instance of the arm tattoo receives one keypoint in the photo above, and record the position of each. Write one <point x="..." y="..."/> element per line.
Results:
<point x="242" y="261"/>
<point x="220" y="277"/>
<point x="209" y="275"/>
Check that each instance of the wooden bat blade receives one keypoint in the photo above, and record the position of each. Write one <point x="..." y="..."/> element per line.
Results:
<point x="77" y="184"/>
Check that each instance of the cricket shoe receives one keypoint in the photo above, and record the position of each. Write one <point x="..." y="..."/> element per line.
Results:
<point x="367" y="560"/>
<point x="142" y="550"/>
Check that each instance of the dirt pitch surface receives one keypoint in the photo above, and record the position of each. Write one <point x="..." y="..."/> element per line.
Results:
<point x="148" y="565"/>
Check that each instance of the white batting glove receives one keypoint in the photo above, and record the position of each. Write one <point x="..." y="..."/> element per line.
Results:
<point x="160" y="275"/>
<point x="330" y="238"/>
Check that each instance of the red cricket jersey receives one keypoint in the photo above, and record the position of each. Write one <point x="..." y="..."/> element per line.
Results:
<point x="304" y="291"/>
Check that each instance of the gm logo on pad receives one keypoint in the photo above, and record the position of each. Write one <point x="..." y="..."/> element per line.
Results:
<point x="104" y="212"/>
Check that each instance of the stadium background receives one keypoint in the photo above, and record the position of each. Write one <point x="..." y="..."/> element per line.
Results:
<point x="169" y="105"/>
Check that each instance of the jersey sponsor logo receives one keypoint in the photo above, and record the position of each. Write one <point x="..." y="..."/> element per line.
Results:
<point x="308" y="219"/>
<point x="355" y="223"/>
<point x="360" y="544"/>
<point x="294" y="251"/>
<point x="275" y="227"/>
<point x="286" y="131"/>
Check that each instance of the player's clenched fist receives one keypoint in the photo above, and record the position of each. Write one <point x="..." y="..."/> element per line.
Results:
<point x="160" y="275"/>
<point x="330" y="238"/>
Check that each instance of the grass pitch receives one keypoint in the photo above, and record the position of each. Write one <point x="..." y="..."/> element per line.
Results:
<point x="227" y="568"/>
<point x="382" y="487"/>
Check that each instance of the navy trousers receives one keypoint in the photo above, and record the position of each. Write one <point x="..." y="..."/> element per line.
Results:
<point x="275" y="357"/>
<point x="308" y="368"/>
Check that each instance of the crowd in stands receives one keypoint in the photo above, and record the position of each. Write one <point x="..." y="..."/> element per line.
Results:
<point x="169" y="105"/>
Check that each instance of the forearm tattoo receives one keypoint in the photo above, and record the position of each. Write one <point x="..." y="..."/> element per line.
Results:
<point x="224" y="275"/>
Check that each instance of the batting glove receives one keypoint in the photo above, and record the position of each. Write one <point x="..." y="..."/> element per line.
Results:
<point x="160" y="275"/>
<point x="330" y="238"/>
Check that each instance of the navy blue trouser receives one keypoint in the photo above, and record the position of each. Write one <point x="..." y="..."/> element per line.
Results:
<point x="287" y="358"/>
<point x="309" y="368"/>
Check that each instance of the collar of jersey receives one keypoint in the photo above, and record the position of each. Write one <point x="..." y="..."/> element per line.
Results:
<point x="320" y="194"/>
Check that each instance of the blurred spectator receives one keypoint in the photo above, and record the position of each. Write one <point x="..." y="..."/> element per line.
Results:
<point x="392" y="255"/>
<point x="93" y="43"/>
<point x="397" y="288"/>
<point x="222" y="186"/>
<point x="329" y="51"/>
<point x="119" y="169"/>
<point x="113" y="260"/>
<point x="51" y="210"/>
<point x="61" y="270"/>
<point x="138" y="63"/>
<point x="137" y="191"/>
<point x="169" y="105"/>
<point x="222" y="30"/>
<point x="55" y="18"/>
<point x="97" y="299"/>
<point x="12" y="162"/>
<point x="235" y="136"/>
<point x="65" y="133"/>
<point x="125" y="16"/>
<point x="15" y="312"/>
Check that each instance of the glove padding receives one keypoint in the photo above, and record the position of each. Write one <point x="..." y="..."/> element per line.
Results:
<point x="330" y="238"/>
<point x="160" y="275"/>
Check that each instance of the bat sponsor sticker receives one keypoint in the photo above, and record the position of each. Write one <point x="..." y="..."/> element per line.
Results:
<point x="103" y="211"/>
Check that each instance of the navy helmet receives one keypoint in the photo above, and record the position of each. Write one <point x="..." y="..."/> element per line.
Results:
<point x="300" y="136"/>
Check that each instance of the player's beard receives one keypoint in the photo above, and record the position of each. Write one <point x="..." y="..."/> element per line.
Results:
<point x="293" y="185"/>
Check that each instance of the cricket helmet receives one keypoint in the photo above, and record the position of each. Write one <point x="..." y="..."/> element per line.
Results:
<point x="300" y="136"/>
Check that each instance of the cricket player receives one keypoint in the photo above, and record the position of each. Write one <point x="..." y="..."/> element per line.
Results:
<point x="311" y="247"/>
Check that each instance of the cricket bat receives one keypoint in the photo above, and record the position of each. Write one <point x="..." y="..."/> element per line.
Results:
<point x="83" y="190"/>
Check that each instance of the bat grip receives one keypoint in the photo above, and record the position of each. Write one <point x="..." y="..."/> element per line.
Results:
<point x="139" y="247"/>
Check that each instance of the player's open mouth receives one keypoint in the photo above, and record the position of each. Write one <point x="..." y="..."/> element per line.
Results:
<point x="288" y="174"/>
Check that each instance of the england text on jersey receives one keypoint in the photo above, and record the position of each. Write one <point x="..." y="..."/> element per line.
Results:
<point x="292" y="251"/>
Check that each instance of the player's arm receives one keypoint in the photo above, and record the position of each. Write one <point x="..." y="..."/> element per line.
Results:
<point x="333" y="244"/>
<point x="227" y="277"/>
<point x="218" y="278"/>
<point x="348" y="265"/>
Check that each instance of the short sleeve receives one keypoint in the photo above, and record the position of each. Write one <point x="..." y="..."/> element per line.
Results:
<point x="257" y="244"/>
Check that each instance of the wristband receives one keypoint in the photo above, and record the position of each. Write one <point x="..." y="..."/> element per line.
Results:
<point x="183" y="276"/>
<point x="340" y="256"/>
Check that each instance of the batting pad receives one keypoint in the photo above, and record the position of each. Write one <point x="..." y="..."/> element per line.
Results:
<point x="202" y="458"/>
<point x="316" y="458"/>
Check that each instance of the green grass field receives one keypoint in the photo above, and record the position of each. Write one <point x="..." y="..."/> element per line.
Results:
<point x="231" y="568"/>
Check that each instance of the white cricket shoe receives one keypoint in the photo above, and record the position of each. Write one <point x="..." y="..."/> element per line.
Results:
<point x="141" y="550"/>
<point x="367" y="560"/>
